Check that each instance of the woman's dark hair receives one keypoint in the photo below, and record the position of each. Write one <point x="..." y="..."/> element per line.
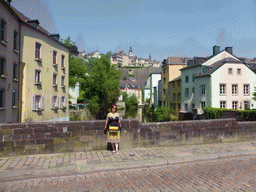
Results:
<point x="112" y="106"/>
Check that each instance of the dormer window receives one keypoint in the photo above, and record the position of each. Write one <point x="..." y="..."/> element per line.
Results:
<point x="34" y="23"/>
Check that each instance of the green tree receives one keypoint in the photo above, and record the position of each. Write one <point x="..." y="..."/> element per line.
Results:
<point x="125" y="96"/>
<point x="132" y="101"/>
<point x="68" y="42"/>
<point x="77" y="71"/>
<point x="254" y="94"/>
<point x="101" y="85"/>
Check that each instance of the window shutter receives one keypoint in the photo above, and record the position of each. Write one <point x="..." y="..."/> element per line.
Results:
<point x="33" y="102"/>
<point x="40" y="75"/>
<point x="51" y="102"/>
<point x="66" y="102"/>
<point x="58" y="101"/>
<point x="42" y="102"/>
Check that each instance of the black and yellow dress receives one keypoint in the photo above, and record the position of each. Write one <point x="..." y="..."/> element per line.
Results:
<point x="113" y="135"/>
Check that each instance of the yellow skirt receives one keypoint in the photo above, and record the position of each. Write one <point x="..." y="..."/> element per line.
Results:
<point x="114" y="137"/>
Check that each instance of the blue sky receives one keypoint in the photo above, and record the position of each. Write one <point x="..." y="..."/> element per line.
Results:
<point x="163" y="28"/>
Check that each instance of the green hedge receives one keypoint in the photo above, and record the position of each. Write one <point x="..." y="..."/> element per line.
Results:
<point x="212" y="113"/>
<point x="248" y="115"/>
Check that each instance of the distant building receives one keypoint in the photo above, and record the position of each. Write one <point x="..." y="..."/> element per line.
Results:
<point x="222" y="81"/>
<point x="131" y="88"/>
<point x="171" y="70"/>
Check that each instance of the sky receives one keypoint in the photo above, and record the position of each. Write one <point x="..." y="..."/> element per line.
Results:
<point x="163" y="28"/>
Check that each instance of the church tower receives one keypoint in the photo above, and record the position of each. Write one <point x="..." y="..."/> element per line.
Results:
<point x="130" y="52"/>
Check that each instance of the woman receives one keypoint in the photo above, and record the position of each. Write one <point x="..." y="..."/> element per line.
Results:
<point x="113" y="127"/>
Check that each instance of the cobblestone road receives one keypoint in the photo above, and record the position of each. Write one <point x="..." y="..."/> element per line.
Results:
<point x="238" y="174"/>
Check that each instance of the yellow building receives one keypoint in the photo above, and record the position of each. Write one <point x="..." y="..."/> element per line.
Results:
<point x="171" y="70"/>
<point x="174" y="94"/>
<point x="43" y="74"/>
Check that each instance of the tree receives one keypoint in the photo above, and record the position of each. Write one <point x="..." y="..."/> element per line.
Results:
<point x="70" y="44"/>
<point x="125" y="96"/>
<point x="254" y="94"/>
<point x="101" y="85"/>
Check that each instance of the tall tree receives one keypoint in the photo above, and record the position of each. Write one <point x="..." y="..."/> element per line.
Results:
<point x="101" y="85"/>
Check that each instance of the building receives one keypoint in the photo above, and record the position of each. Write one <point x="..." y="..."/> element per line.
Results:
<point x="174" y="92"/>
<point x="9" y="63"/>
<point x="73" y="93"/>
<point x="222" y="81"/>
<point x="152" y="82"/>
<point x="43" y="73"/>
<point x="94" y="54"/>
<point x="170" y="70"/>
<point x="131" y="88"/>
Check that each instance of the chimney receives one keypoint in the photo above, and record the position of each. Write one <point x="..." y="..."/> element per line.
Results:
<point x="216" y="49"/>
<point x="229" y="49"/>
<point x="55" y="36"/>
<point x="8" y="2"/>
<point x="34" y="23"/>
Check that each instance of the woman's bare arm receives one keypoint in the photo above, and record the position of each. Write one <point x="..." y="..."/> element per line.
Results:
<point x="106" y="123"/>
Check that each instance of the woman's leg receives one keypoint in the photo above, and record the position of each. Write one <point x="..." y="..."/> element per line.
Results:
<point x="117" y="148"/>
<point x="113" y="147"/>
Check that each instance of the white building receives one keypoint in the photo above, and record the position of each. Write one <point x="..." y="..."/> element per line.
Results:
<point x="130" y="88"/>
<point x="223" y="81"/>
<point x="73" y="93"/>
<point x="152" y="82"/>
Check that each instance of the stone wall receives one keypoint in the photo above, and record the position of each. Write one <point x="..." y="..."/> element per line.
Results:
<point x="89" y="135"/>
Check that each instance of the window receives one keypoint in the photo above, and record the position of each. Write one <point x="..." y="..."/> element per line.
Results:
<point x="223" y="89"/>
<point x="186" y="92"/>
<point x="54" y="57"/>
<point x="171" y="105"/>
<point x="164" y="70"/>
<point x="62" y="61"/>
<point x="230" y="71"/>
<point x="246" y="89"/>
<point x="164" y="91"/>
<point x="15" y="40"/>
<point x="2" y="63"/>
<point x="203" y="89"/>
<point x="174" y="97"/>
<point x="54" y="79"/>
<point x="234" y="89"/>
<point x="174" y="106"/>
<point x="193" y="105"/>
<point x="1" y="97"/>
<point x="178" y="83"/>
<point x="178" y="106"/>
<point x="173" y="84"/>
<point x="234" y="104"/>
<point x="14" y="99"/>
<point x="164" y="80"/>
<point x="2" y="31"/>
<point x="193" y="77"/>
<point x="239" y="71"/>
<point x="186" y="107"/>
<point x="38" y="102"/>
<point x="38" y="51"/>
<point x="63" y="102"/>
<point x="202" y="105"/>
<point x="14" y="71"/>
<point x="37" y="76"/>
<point x="186" y="79"/>
<point x="63" y="81"/>
<point x="223" y="104"/>
<point x="54" y="102"/>
<point x="193" y="90"/>
<point x="179" y="97"/>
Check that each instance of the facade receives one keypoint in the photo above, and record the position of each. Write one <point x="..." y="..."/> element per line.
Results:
<point x="9" y="64"/>
<point x="174" y="92"/>
<point x="223" y="81"/>
<point x="170" y="70"/>
<point x="131" y="88"/>
<point x="43" y="74"/>
<point x="152" y="82"/>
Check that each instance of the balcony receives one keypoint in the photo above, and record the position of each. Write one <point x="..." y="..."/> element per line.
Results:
<point x="55" y="65"/>
<point x="63" y="68"/>
<point x="63" y="86"/>
<point x="16" y="51"/>
<point x="39" y="109"/>
<point x="38" y="59"/>
<point x="4" y="75"/>
<point x="38" y="83"/>
<point x="55" y="85"/>
<point x="16" y="79"/>
<point x="4" y="42"/>
<point x="55" y="107"/>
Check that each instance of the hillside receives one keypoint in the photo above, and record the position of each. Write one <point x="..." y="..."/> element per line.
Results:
<point x="139" y="75"/>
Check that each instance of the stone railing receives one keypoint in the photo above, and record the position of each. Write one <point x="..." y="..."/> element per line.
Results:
<point x="28" y="138"/>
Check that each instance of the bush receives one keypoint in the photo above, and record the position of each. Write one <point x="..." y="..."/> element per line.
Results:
<point x="212" y="113"/>
<point x="248" y="115"/>
<point x="71" y="118"/>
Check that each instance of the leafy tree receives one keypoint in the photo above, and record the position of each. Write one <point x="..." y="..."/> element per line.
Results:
<point x="132" y="101"/>
<point x="125" y="96"/>
<point x="254" y="94"/>
<point x="101" y="85"/>
<point x="70" y="44"/>
<point x="77" y="71"/>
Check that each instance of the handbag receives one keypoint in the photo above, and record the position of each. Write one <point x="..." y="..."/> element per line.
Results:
<point x="113" y="128"/>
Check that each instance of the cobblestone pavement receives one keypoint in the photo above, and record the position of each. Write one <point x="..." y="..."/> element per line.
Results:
<point x="209" y="167"/>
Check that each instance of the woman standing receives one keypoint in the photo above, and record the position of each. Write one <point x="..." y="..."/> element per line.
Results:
<point x="113" y="127"/>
